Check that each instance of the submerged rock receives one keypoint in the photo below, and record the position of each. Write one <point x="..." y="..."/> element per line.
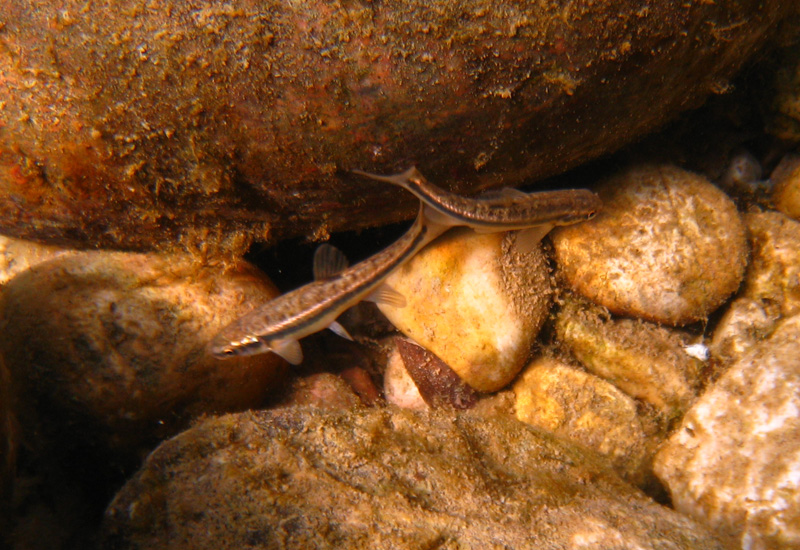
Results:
<point x="668" y="246"/>
<point x="475" y="302"/>
<point x="584" y="408"/>
<point x="126" y="124"/>
<point x="644" y="360"/>
<point x="771" y="289"/>
<point x="735" y="462"/>
<point x="381" y="479"/>
<point x="108" y="349"/>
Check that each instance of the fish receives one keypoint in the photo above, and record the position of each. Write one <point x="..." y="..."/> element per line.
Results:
<point x="505" y="210"/>
<point x="279" y="324"/>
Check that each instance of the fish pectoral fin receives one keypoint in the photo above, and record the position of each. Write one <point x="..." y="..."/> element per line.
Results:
<point x="329" y="261"/>
<point x="385" y="294"/>
<point x="528" y="239"/>
<point x="289" y="350"/>
<point x="340" y="330"/>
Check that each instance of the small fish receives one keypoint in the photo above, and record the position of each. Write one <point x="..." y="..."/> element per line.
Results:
<point x="504" y="210"/>
<point x="278" y="325"/>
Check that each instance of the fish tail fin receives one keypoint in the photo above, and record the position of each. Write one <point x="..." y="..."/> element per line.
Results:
<point x="402" y="179"/>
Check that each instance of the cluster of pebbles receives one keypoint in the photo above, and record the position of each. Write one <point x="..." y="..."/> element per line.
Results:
<point x="658" y="340"/>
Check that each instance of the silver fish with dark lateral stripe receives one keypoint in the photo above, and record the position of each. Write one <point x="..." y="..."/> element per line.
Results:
<point x="505" y="210"/>
<point x="278" y="325"/>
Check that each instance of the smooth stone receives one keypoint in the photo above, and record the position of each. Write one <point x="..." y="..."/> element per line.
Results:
<point x="646" y="361"/>
<point x="584" y="408"/>
<point x="771" y="288"/>
<point x="383" y="479"/>
<point x="399" y="388"/>
<point x="786" y="186"/>
<point x="109" y="348"/>
<point x="667" y="247"/>
<point x="474" y="302"/>
<point x="734" y="464"/>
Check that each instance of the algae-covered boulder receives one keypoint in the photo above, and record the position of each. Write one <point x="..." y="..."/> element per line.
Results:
<point x="382" y="478"/>
<point x="134" y="124"/>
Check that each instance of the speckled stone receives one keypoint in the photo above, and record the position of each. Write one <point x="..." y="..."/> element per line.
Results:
<point x="115" y="343"/>
<point x="17" y="255"/>
<point x="583" y="408"/>
<point x="668" y="246"/>
<point x="771" y="288"/>
<point x="475" y="302"/>
<point x="383" y="479"/>
<point x="735" y="462"/>
<point x="644" y="360"/>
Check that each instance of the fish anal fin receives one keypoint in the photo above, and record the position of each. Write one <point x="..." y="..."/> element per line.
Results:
<point x="329" y="261"/>
<point x="385" y="294"/>
<point x="289" y="350"/>
<point x="528" y="239"/>
<point x="337" y="328"/>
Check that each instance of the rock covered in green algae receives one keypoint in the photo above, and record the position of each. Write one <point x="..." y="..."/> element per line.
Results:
<point x="734" y="464"/>
<point x="379" y="479"/>
<point x="668" y="246"/>
<point x="132" y="124"/>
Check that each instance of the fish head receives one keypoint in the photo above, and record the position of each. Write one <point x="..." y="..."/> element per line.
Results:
<point x="226" y="348"/>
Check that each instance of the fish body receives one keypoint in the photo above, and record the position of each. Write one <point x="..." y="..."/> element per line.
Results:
<point x="278" y="325"/>
<point x="506" y="210"/>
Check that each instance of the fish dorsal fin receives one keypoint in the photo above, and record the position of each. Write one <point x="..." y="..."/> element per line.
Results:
<point x="504" y="193"/>
<point x="289" y="350"/>
<point x="340" y="330"/>
<point x="329" y="261"/>
<point x="385" y="294"/>
<point x="528" y="239"/>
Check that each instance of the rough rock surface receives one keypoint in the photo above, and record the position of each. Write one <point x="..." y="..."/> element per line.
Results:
<point x="735" y="462"/>
<point x="383" y="478"/>
<point x="132" y="124"/>
<point x="112" y="346"/>
<point x="668" y="246"/>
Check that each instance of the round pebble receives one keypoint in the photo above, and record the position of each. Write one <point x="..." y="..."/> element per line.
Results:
<point x="115" y="343"/>
<point x="668" y="246"/>
<point x="786" y="190"/>
<point x="475" y="302"/>
<point x="583" y="408"/>
<point x="734" y="464"/>
<point x="644" y="360"/>
<point x="17" y="255"/>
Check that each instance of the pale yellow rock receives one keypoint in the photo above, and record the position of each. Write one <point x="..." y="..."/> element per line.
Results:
<point x="17" y="255"/>
<point x="475" y="302"/>
<point x="583" y="408"/>
<point x="398" y="386"/>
